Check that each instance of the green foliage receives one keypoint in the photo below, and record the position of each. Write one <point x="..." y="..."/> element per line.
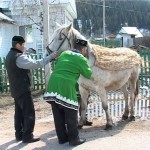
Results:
<point x="117" y="14"/>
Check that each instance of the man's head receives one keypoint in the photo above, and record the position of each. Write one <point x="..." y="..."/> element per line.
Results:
<point x="81" y="45"/>
<point x="18" y="42"/>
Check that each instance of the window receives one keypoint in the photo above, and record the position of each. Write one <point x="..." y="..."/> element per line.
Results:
<point x="29" y="34"/>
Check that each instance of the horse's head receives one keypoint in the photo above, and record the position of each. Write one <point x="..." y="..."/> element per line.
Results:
<point x="64" y="38"/>
<point x="60" y="39"/>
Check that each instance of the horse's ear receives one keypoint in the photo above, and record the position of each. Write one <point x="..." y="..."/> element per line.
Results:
<point x="58" y="25"/>
<point x="69" y="27"/>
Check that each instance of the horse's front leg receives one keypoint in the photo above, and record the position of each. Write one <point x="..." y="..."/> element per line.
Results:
<point x="83" y="106"/>
<point x="102" y="94"/>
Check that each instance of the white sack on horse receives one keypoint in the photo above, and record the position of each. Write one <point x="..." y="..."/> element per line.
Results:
<point x="115" y="58"/>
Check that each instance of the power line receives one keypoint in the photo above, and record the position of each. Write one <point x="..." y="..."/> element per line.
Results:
<point x="112" y="7"/>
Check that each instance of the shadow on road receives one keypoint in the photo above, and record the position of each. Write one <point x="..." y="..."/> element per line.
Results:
<point x="49" y="139"/>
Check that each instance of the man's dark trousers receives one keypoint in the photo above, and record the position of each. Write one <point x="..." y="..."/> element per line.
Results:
<point x="24" y="116"/>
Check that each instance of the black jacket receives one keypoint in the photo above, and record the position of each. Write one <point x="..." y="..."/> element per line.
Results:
<point x="19" y="79"/>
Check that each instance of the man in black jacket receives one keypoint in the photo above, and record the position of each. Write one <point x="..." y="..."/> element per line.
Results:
<point x="18" y="67"/>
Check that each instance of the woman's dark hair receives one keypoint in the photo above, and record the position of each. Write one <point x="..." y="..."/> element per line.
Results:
<point x="80" y="44"/>
<point x="79" y="47"/>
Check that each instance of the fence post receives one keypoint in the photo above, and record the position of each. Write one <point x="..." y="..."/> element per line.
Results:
<point x="1" y="86"/>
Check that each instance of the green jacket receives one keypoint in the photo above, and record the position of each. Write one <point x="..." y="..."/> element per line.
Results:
<point x="62" y="82"/>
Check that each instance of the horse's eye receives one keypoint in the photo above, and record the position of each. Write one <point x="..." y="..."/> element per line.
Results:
<point x="60" y="38"/>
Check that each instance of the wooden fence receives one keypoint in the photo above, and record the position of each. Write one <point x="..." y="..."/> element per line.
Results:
<point x="116" y="105"/>
<point x="144" y="41"/>
<point x="4" y="84"/>
<point x="145" y="67"/>
<point x="39" y="74"/>
<point x="108" y="43"/>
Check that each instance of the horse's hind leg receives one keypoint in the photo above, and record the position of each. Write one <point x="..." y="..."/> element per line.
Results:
<point x="83" y="106"/>
<point x="133" y="95"/>
<point x="125" y="93"/>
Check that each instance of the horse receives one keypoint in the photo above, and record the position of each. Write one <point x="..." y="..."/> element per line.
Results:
<point x="103" y="80"/>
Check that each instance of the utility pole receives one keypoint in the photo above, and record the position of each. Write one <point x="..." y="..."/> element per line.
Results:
<point x="104" y="34"/>
<point x="45" y="23"/>
<point x="46" y="35"/>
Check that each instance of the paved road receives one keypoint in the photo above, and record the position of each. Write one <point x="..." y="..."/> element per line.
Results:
<point x="124" y="136"/>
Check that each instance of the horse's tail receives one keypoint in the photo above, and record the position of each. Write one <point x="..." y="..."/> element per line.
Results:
<point x="137" y="88"/>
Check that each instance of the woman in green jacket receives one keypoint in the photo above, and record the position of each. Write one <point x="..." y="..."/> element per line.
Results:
<point x="61" y="92"/>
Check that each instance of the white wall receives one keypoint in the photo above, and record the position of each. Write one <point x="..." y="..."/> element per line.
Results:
<point x="7" y="31"/>
<point x="70" y="5"/>
<point x="37" y="42"/>
<point x="61" y="11"/>
<point x="127" y="40"/>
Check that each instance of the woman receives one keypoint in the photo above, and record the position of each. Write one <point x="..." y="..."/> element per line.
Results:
<point x="61" y="92"/>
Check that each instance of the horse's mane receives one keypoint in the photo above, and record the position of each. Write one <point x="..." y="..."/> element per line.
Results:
<point x="75" y="34"/>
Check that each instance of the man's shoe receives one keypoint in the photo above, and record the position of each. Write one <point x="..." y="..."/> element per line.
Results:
<point x="18" y="139"/>
<point x="31" y="140"/>
<point x="18" y="136"/>
<point x="63" y="142"/>
<point x="77" y="142"/>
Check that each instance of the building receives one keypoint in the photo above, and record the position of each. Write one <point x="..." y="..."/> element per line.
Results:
<point x="29" y="17"/>
<point x="8" y="29"/>
<point x="128" y="34"/>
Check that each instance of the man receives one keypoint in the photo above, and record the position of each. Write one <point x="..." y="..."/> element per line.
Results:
<point x="61" y="92"/>
<point x="18" y="67"/>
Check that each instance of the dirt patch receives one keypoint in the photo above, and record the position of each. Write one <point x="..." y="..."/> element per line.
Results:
<point x="125" y="135"/>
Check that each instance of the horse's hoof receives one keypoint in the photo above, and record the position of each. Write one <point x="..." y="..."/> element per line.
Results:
<point x="132" y="118"/>
<point x="88" y="123"/>
<point x="124" y="117"/>
<point x="108" y="127"/>
<point x="80" y="126"/>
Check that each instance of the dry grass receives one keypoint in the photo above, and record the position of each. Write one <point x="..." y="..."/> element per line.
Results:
<point x="6" y="99"/>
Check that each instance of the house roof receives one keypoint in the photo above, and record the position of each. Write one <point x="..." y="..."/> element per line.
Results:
<point x="131" y="31"/>
<point x="5" y="18"/>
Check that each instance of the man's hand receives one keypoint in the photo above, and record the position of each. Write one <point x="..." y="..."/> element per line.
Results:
<point x="54" y="55"/>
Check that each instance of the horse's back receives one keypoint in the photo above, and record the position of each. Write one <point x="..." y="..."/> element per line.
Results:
<point x="114" y="80"/>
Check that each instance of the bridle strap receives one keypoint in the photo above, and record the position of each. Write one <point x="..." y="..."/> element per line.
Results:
<point x="63" y="41"/>
<point x="66" y="37"/>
